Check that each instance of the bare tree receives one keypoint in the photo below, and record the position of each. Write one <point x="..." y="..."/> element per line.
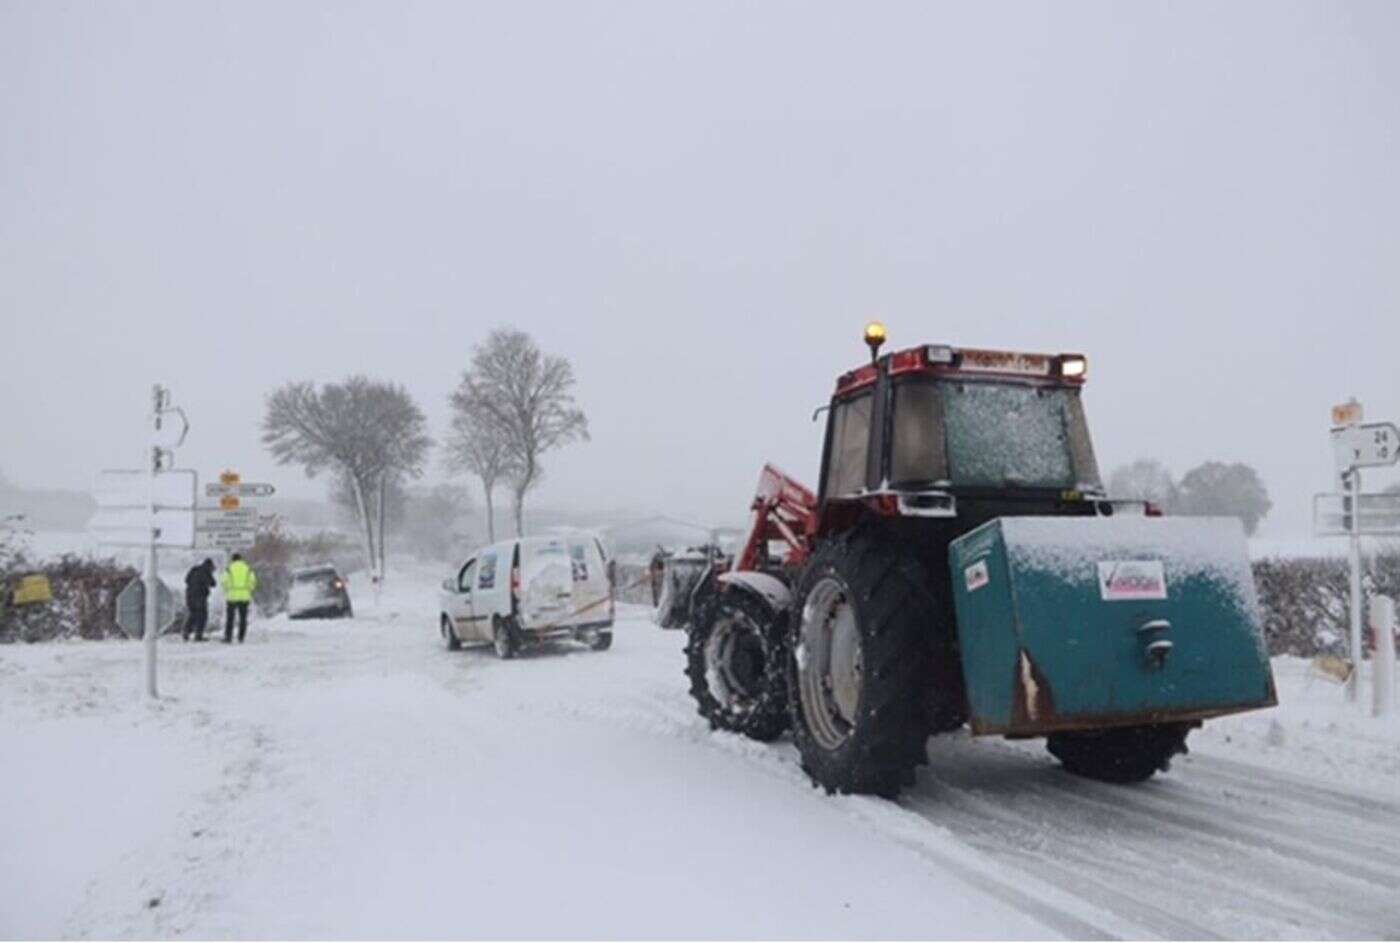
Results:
<point x="478" y="446"/>
<point x="528" y="396"/>
<point x="1145" y="480"/>
<point x="369" y="431"/>
<point x="1215" y="488"/>
<point x="385" y="504"/>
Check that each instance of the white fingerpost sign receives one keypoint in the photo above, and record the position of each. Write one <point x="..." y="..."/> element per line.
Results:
<point x="149" y="507"/>
<point x="1357" y="445"/>
<point x="1365" y="445"/>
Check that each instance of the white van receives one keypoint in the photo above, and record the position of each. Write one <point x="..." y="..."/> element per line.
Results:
<point x="528" y="590"/>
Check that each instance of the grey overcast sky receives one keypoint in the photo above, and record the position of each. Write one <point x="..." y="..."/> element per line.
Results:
<point x="700" y="204"/>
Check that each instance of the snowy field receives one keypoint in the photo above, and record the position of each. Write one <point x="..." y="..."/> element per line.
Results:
<point x="354" y="779"/>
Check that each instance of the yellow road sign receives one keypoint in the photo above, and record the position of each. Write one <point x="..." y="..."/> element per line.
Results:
<point x="1346" y="414"/>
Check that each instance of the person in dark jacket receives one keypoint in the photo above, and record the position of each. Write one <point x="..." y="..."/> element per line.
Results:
<point x="198" y="582"/>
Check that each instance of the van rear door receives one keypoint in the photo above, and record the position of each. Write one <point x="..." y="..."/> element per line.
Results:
<point x="591" y="588"/>
<point x="546" y="583"/>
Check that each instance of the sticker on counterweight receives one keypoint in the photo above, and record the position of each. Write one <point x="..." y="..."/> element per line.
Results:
<point x="977" y="576"/>
<point x="1132" y="579"/>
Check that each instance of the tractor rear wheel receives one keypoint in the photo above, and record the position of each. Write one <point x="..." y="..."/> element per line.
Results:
<point x="734" y="659"/>
<point x="1120" y="754"/>
<point x="873" y="671"/>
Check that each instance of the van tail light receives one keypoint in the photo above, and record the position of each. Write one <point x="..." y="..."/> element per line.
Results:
<point x="1151" y="510"/>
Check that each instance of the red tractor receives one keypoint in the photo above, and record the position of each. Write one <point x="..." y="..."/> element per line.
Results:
<point x="836" y="617"/>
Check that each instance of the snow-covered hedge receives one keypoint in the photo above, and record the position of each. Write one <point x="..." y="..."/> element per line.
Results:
<point x="1305" y="600"/>
<point x="84" y="600"/>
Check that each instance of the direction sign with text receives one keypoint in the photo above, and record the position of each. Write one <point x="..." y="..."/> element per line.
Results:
<point x="131" y="527"/>
<point x="124" y="498"/>
<point x="247" y="489"/>
<point x="135" y="487"/>
<point x="1366" y="445"/>
<point x="1380" y="515"/>
<point x="226" y="539"/>
<point x="220" y="519"/>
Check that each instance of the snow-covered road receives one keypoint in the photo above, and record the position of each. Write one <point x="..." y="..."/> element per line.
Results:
<point x="355" y="779"/>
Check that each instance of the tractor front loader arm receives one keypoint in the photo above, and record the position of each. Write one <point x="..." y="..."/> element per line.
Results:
<point x="783" y="509"/>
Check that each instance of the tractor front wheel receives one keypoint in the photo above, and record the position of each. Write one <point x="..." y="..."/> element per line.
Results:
<point x="872" y="672"/>
<point x="1120" y="754"/>
<point x="734" y="659"/>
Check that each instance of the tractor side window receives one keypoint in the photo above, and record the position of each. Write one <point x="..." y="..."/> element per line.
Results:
<point x="850" y="444"/>
<point x="918" y="455"/>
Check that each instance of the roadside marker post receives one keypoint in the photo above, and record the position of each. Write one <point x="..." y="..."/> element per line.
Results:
<point x="1383" y="664"/>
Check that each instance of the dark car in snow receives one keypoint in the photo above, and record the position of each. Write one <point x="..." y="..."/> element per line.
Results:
<point x="319" y="592"/>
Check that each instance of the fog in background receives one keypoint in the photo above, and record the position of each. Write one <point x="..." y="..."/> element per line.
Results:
<point x="700" y="205"/>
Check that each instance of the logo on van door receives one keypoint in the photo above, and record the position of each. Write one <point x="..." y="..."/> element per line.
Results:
<point x="578" y="558"/>
<point x="487" y="579"/>
<point x="1132" y="579"/>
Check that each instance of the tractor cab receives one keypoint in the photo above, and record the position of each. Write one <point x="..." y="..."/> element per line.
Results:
<point x="944" y="432"/>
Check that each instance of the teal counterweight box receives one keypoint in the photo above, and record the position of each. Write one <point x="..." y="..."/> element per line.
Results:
<point x="1068" y="623"/>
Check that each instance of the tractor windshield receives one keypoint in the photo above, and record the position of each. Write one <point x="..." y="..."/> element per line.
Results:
<point x="987" y="434"/>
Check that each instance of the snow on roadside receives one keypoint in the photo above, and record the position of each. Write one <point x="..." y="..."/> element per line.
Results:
<point x="1314" y="732"/>
<point x="354" y="779"/>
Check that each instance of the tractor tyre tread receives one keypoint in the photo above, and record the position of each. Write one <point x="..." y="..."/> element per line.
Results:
<point x="768" y="718"/>
<point x="912" y="683"/>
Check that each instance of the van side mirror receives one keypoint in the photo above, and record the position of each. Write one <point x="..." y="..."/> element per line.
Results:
<point x="450" y="585"/>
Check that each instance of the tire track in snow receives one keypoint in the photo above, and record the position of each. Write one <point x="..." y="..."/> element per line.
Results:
<point x="1161" y="851"/>
<point x="966" y="814"/>
<point x="662" y="715"/>
<point x="1340" y="833"/>
<point x="1281" y="784"/>
<point x="1218" y="829"/>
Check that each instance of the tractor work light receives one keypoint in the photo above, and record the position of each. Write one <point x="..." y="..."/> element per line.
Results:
<point x="874" y="337"/>
<point x="939" y="353"/>
<point x="1073" y="367"/>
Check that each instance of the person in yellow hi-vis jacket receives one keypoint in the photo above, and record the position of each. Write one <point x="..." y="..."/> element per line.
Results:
<point x="238" y="583"/>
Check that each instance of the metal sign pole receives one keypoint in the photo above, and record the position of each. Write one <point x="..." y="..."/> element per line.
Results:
<point x="152" y="589"/>
<point x="1354" y="538"/>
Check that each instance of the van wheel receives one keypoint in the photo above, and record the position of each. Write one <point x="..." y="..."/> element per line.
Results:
<point x="449" y="634"/>
<point x="1119" y="755"/>
<point x="504" y="637"/>
<point x="601" y="641"/>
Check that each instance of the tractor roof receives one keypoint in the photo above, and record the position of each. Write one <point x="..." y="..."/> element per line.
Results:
<point x="971" y="362"/>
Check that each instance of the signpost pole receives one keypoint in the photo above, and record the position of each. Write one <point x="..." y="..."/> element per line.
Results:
<point x="152" y="579"/>
<point x="1354" y="539"/>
